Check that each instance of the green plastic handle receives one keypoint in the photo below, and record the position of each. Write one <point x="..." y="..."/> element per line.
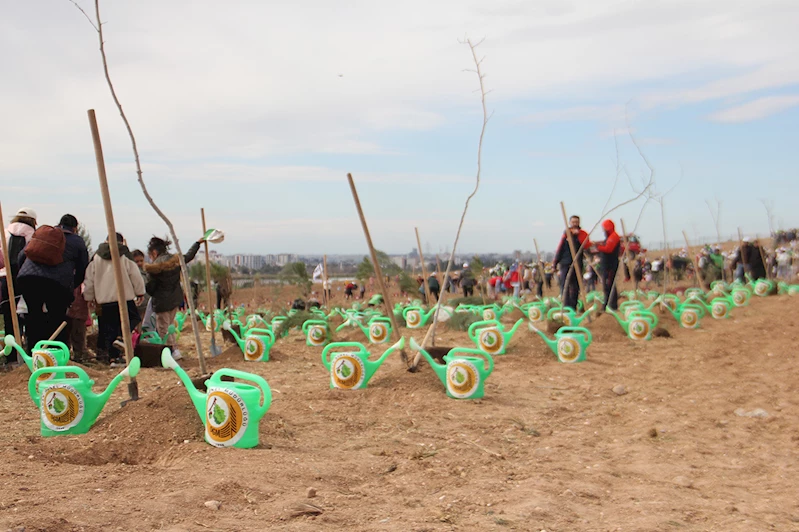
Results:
<point x="483" y="324"/>
<point x="477" y="352"/>
<point x="578" y="330"/>
<point x="336" y="345"/>
<point x="266" y="391"/>
<point x="33" y="380"/>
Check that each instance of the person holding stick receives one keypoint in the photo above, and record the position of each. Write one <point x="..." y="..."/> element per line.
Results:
<point x="569" y="285"/>
<point x="19" y="232"/>
<point x="163" y="284"/>
<point x="100" y="291"/>
<point x="609" y="263"/>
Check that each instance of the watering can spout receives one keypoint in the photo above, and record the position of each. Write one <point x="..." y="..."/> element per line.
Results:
<point x="515" y="326"/>
<point x="440" y="369"/>
<point x="197" y="397"/>
<point x="550" y="343"/>
<point x="11" y="343"/>
<point x="130" y="371"/>
<point x="384" y="356"/>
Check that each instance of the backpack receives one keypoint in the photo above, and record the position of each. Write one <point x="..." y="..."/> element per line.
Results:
<point x="47" y="246"/>
<point x="15" y="244"/>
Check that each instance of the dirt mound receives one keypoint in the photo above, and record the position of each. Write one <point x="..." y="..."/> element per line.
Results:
<point x="606" y="328"/>
<point x="138" y="433"/>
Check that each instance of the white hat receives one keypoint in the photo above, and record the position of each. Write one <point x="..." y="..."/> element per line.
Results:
<point x="465" y="264"/>
<point x="25" y="211"/>
<point x="746" y="239"/>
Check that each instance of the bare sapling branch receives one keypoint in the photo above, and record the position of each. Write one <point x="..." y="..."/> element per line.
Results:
<point x="98" y="26"/>
<point x="481" y="78"/>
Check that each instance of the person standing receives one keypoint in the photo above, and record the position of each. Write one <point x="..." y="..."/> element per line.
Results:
<point x="163" y="284"/>
<point x="47" y="282"/>
<point x="569" y="285"/>
<point x="77" y="316"/>
<point x="19" y="233"/>
<point x="609" y="263"/>
<point x="101" y="291"/>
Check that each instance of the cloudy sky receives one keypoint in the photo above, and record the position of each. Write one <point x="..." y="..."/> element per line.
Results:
<point x="257" y="111"/>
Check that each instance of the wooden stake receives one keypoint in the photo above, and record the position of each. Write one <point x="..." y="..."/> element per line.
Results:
<point x="699" y="276"/>
<point x="540" y="264"/>
<point x="208" y="285"/>
<point x="440" y="279"/>
<point x="763" y="257"/>
<point x="325" y="281"/>
<point x="574" y="258"/>
<point x="9" y="281"/>
<point x="58" y="331"/>
<point x="424" y="268"/>
<point x="378" y="271"/>
<point x="133" y="387"/>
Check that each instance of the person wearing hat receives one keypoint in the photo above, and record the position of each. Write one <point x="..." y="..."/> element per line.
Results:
<point x="467" y="280"/>
<point x="18" y="233"/>
<point x="49" y="290"/>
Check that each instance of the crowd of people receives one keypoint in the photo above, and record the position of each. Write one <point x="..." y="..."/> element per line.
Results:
<point x="55" y="281"/>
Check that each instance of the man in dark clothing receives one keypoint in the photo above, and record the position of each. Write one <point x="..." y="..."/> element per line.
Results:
<point x="609" y="263"/>
<point x="467" y="281"/>
<point x="435" y="288"/>
<point x="569" y="285"/>
<point x="750" y="256"/>
<point x="48" y="290"/>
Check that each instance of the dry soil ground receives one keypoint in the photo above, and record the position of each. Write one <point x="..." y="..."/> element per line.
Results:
<point x="550" y="447"/>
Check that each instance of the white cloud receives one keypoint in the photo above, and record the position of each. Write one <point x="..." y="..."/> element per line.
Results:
<point x="756" y="109"/>
<point x="577" y="114"/>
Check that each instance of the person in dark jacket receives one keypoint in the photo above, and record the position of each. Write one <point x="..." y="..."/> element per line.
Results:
<point x="569" y="285"/>
<point x="750" y="256"/>
<point x="163" y="284"/>
<point x="48" y="290"/>
<point x="18" y="233"/>
<point x="609" y="263"/>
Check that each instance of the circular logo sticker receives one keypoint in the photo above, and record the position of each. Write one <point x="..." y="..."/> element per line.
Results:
<point x="254" y="348"/>
<point x="568" y="349"/>
<point x="689" y="319"/>
<point x="62" y="407"/>
<point x="463" y="378"/>
<point x="639" y="329"/>
<point x="534" y="314"/>
<point x="761" y="289"/>
<point x="347" y="371"/>
<point x="491" y="341"/>
<point x="43" y="359"/>
<point x="413" y="319"/>
<point x="739" y="297"/>
<point x="316" y="335"/>
<point x="489" y="314"/>
<point x="719" y="310"/>
<point x="378" y="333"/>
<point x="226" y="417"/>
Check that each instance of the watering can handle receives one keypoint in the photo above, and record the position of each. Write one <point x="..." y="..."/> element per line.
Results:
<point x="266" y="391"/>
<point x="326" y="350"/>
<point x="484" y="324"/>
<point x="45" y="344"/>
<point x="32" y="381"/>
<point x="476" y="352"/>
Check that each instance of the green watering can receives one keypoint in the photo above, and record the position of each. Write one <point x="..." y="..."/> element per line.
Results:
<point x="694" y="295"/>
<point x="638" y="324"/>
<point x="152" y="337"/>
<point x="740" y="296"/>
<point x="351" y="370"/>
<point x="628" y="307"/>
<point x="68" y="405"/>
<point x="230" y="411"/>
<point x="595" y="296"/>
<point x="256" y="320"/>
<point x="668" y="302"/>
<point x="719" y="307"/>
<point x="378" y="330"/>
<point x="416" y="317"/>
<point x="277" y="321"/>
<point x="689" y="315"/>
<point x="788" y="289"/>
<point x="490" y="312"/>
<point x="256" y="343"/>
<point x="763" y="287"/>
<point x="489" y="336"/>
<point x="316" y="332"/>
<point x="352" y="318"/>
<point x="570" y="344"/>
<point x="46" y="353"/>
<point x="568" y="316"/>
<point x="464" y="372"/>
<point x="535" y="312"/>
<point x="719" y="288"/>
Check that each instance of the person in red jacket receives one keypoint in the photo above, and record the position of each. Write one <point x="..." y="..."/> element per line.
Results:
<point x="609" y="252"/>
<point x="570" y="292"/>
